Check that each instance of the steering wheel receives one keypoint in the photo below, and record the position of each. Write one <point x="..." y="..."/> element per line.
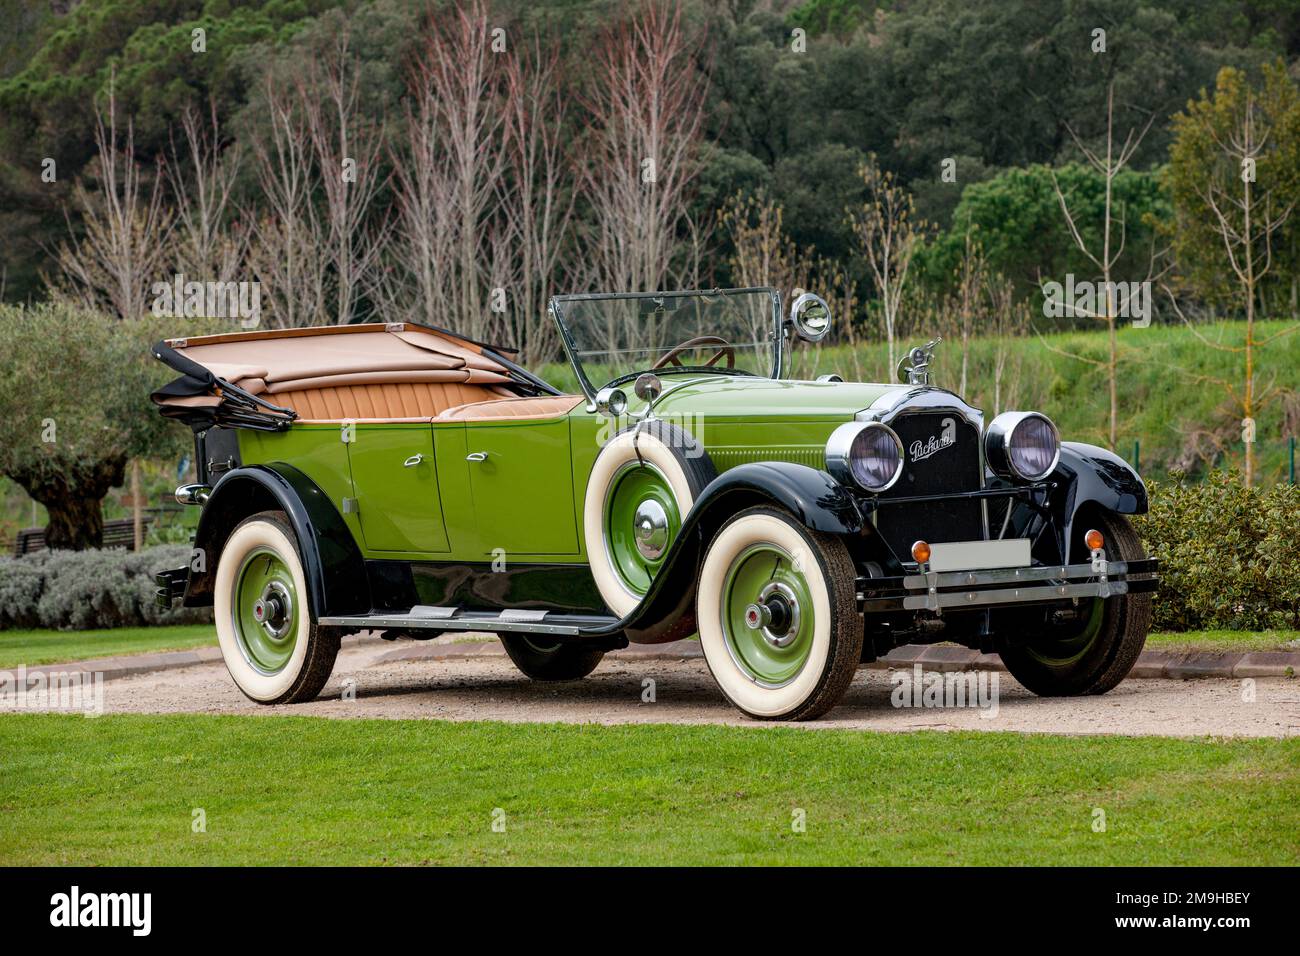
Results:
<point x="700" y="340"/>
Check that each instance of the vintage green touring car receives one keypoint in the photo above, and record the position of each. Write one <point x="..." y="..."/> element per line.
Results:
<point x="402" y="478"/>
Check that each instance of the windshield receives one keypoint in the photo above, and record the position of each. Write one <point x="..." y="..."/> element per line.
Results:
<point x="613" y="338"/>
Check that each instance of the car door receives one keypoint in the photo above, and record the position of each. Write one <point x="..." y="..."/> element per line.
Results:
<point x="396" y="481"/>
<point x="521" y="484"/>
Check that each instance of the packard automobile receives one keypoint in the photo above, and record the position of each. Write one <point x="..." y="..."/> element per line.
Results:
<point x="402" y="478"/>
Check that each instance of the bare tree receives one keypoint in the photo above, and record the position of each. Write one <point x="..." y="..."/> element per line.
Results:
<point x="202" y="179"/>
<point x="971" y="276"/>
<point x="127" y="227"/>
<point x="347" y="146"/>
<point x="1245" y="218"/>
<point x="889" y="236"/>
<point x="1008" y="321"/>
<point x="647" y="107"/>
<point x="290" y="248"/>
<point x="458" y="80"/>
<point x="538" y="209"/>
<point x="1108" y="165"/>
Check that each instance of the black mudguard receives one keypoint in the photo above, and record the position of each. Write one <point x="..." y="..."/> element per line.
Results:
<point x="331" y="560"/>
<point x="1088" y="475"/>
<point x="667" y="612"/>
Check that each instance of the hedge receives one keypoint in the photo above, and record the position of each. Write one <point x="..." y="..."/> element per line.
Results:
<point x="1230" y="554"/>
<point x="84" y="590"/>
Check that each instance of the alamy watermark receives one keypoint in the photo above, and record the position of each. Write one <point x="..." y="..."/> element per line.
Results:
<point x="955" y="689"/>
<point x="80" y="691"/>
<point x="1120" y="300"/>
<point x="189" y="299"/>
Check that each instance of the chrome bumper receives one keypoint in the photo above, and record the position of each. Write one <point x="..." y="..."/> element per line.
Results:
<point x="935" y="591"/>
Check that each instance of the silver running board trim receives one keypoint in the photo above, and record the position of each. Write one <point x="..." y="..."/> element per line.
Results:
<point x="489" y="621"/>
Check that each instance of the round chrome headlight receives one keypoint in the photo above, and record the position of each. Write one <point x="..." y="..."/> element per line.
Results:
<point x="1023" y="445"/>
<point x="869" y="454"/>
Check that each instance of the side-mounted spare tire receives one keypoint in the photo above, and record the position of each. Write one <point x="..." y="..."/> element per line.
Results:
<point x="643" y="484"/>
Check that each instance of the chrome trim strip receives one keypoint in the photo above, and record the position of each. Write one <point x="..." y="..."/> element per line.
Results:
<point x="934" y="602"/>
<point x="966" y="579"/>
<point x="490" y="623"/>
<point x="923" y="398"/>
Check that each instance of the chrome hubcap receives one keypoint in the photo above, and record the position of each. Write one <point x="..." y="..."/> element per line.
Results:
<point x="776" y="614"/>
<point x="274" y="609"/>
<point x="650" y="529"/>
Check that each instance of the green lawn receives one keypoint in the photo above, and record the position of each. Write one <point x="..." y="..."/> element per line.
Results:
<point x="55" y="647"/>
<point x="1226" y="641"/>
<point x="124" y="790"/>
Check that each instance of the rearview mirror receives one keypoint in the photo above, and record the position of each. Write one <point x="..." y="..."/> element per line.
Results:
<point x="811" y="317"/>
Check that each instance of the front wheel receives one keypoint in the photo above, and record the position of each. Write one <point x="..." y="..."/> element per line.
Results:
<point x="1096" y="652"/>
<point x="778" y="618"/>
<point x="550" y="660"/>
<point x="273" y="649"/>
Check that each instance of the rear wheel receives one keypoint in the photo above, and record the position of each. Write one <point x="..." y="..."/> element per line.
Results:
<point x="1095" y="652"/>
<point x="778" y="619"/>
<point x="272" y="647"/>
<point x="550" y="660"/>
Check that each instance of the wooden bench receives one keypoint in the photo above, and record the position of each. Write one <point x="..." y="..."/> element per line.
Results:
<point x="118" y="533"/>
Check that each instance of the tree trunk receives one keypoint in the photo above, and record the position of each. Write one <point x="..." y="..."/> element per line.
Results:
<point x="75" y="524"/>
<point x="72" y="497"/>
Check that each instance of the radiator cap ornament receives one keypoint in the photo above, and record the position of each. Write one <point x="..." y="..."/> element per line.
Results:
<point x="914" y="367"/>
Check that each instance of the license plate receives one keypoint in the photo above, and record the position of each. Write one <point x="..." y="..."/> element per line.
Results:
<point x="979" y="555"/>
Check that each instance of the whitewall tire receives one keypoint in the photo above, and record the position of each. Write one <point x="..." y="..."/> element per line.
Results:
<point x="271" y="645"/>
<point x="777" y="614"/>
<point x="641" y="488"/>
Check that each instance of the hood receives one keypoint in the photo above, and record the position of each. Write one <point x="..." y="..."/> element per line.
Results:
<point x="721" y="397"/>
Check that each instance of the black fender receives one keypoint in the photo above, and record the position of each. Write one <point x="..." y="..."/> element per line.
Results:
<point x="667" y="611"/>
<point x="331" y="560"/>
<point x="1090" y="476"/>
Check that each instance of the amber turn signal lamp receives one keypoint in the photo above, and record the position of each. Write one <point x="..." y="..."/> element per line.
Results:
<point x="920" y="552"/>
<point x="1094" y="540"/>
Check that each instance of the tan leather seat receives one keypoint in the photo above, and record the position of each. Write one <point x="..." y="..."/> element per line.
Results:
<point x="512" y="408"/>
<point x="420" y="401"/>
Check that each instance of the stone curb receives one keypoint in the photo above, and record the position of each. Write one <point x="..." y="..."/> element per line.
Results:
<point x="1184" y="665"/>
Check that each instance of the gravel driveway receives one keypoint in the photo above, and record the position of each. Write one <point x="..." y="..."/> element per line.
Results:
<point x="479" y="683"/>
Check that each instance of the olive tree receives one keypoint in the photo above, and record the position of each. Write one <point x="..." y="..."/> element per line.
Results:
<point x="74" y="409"/>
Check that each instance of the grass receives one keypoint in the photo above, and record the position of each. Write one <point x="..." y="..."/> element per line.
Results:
<point x="1226" y="641"/>
<point x="125" y="790"/>
<point x="56" y="647"/>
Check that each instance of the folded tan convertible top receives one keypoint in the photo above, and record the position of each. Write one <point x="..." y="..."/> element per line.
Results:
<point x="289" y="359"/>
<point x="236" y="376"/>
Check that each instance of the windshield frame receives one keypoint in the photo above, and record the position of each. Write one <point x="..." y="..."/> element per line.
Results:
<point x="556" y="309"/>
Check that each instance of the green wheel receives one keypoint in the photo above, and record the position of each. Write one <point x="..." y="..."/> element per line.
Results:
<point x="271" y="645"/>
<point x="1092" y="654"/>
<point x="777" y="613"/>
<point x="641" y="519"/>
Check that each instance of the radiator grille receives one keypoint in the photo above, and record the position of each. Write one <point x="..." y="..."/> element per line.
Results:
<point x="942" y="452"/>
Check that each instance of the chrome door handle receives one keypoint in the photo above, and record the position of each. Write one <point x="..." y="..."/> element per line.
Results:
<point x="476" y="456"/>
<point x="412" y="461"/>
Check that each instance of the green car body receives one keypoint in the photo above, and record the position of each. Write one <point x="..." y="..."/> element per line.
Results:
<point x="789" y="523"/>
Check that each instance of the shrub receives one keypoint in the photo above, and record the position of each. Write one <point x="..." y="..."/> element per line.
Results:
<point x="1229" y="558"/>
<point x="84" y="590"/>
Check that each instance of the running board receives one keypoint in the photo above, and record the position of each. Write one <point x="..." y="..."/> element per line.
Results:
<point x="522" y="620"/>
